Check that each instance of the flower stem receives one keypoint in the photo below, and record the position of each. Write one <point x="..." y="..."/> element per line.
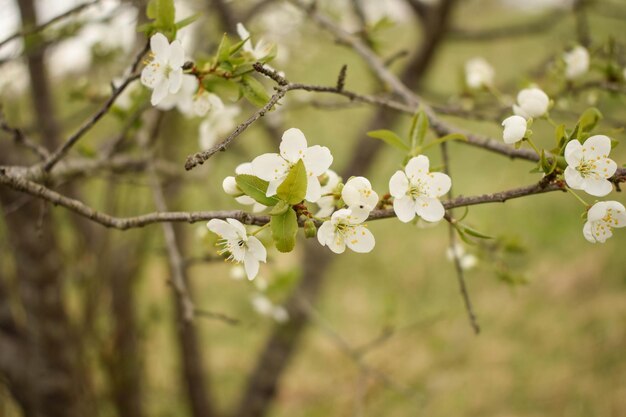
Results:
<point x="552" y="122"/>
<point x="532" y="145"/>
<point x="266" y="225"/>
<point x="579" y="198"/>
<point x="497" y="94"/>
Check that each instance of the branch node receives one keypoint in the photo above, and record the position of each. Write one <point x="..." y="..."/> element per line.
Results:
<point x="341" y="80"/>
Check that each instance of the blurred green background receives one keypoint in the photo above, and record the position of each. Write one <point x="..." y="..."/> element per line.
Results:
<point x="553" y="337"/>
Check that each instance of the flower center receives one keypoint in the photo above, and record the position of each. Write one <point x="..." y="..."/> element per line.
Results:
<point x="230" y="246"/>
<point x="417" y="189"/>
<point x="586" y="168"/>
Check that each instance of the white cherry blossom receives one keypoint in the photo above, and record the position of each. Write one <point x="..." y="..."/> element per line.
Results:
<point x="326" y="202"/>
<point x="589" y="166"/>
<point x="531" y="102"/>
<point x="514" y="129"/>
<point x="357" y="193"/>
<point x="576" y="62"/>
<point x="242" y="248"/>
<point x="265" y="307"/>
<point x="230" y="187"/>
<point x="478" y="73"/>
<point x="345" y="228"/>
<point x="274" y="167"/>
<point x="191" y="102"/>
<point x="218" y="123"/>
<point x="602" y="218"/>
<point x="164" y="74"/>
<point x="467" y="261"/>
<point x="416" y="191"/>
<point x="262" y="48"/>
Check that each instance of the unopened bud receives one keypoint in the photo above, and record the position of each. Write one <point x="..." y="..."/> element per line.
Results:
<point x="230" y="186"/>
<point x="309" y="229"/>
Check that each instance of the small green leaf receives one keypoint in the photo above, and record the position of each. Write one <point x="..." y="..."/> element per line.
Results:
<point x="474" y="232"/>
<point x="236" y="47"/>
<point x="284" y="229"/>
<point x="165" y="13"/>
<point x="293" y="188"/>
<point x="589" y="119"/>
<point x="223" y="50"/>
<point x="419" y="128"/>
<point x="254" y="91"/>
<point x="188" y="20"/>
<point x="279" y="208"/>
<point x="446" y="138"/>
<point x="560" y="135"/>
<point x="390" y="138"/>
<point x="151" y="9"/>
<point x="256" y="188"/>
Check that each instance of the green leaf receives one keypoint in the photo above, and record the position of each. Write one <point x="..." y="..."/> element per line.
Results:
<point x="589" y="119"/>
<point x="151" y="9"/>
<point x="293" y="189"/>
<point x="419" y="128"/>
<point x="165" y="13"/>
<point x="474" y="232"/>
<point x="256" y="188"/>
<point x="446" y="138"/>
<point x="279" y="208"/>
<point x="223" y="50"/>
<point x="284" y="229"/>
<point x="390" y="138"/>
<point x="236" y="47"/>
<point x="188" y="20"/>
<point x="254" y="91"/>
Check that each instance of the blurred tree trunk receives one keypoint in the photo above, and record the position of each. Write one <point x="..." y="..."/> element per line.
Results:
<point x="41" y="93"/>
<point x="281" y="345"/>
<point x="49" y="374"/>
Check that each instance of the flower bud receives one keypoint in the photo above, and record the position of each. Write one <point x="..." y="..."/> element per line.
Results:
<point x="230" y="186"/>
<point x="576" y="62"/>
<point x="309" y="229"/>
<point x="531" y="102"/>
<point x="514" y="129"/>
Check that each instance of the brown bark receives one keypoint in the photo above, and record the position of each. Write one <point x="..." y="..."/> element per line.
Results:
<point x="41" y="92"/>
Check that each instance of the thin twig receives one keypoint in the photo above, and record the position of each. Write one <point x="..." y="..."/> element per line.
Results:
<point x="21" y="139"/>
<point x="56" y="156"/>
<point x="460" y="273"/>
<point x="39" y="28"/>
<point x="17" y="182"/>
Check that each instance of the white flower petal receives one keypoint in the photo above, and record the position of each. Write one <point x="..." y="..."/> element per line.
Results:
<point x="313" y="189"/>
<point x="317" y="159"/>
<point x="573" y="178"/>
<point x="293" y="145"/>
<point x="573" y="153"/>
<point x="251" y="264"/>
<point x="152" y="75"/>
<point x="398" y="184"/>
<point x="272" y="187"/>
<point x="336" y="244"/>
<point x="360" y="239"/>
<point x="160" y="47"/>
<point x="256" y="248"/>
<point x="270" y="166"/>
<point x="159" y="92"/>
<point x="597" y="187"/>
<point x="439" y="184"/>
<point x="325" y="233"/>
<point x="429" y="209"/>
<point x="239" y="227"/>
<point x="587" y="232"/>
<point x="417" y="167"/>
<point x="598" y="146"/>
<point x="175" y="80"/>
<point x="177" y="54"/>
<point x="245" y="168"/>
<point x="404" y="207"/>
<point x="223" y="229"/>
<point x="246" y="200"/>
<point x="597" y="211"/>
<point x="514" y="129"/>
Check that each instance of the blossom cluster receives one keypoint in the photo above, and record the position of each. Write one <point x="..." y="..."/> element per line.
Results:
<point x="342" y="209"/>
